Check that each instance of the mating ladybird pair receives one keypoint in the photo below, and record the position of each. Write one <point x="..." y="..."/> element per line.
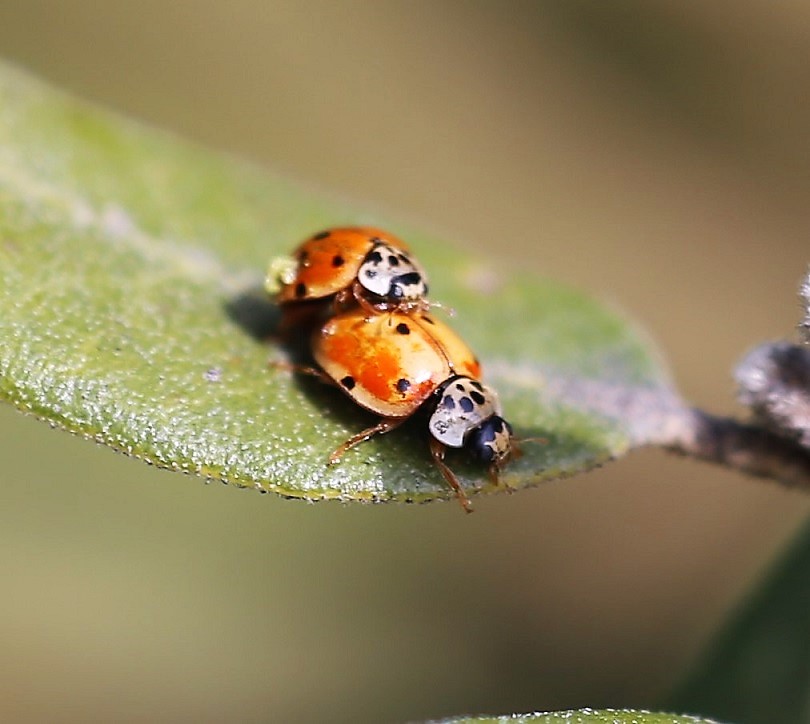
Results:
<point x="374" y="338"/>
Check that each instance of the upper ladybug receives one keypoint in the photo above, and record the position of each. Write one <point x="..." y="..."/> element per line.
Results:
<point x="369" y="265"/>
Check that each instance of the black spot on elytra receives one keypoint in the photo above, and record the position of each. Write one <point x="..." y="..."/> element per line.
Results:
<point x="477" y="397"/>
<point x="338" y="260"/>
<point x="403" y="328"/>
<point x="449" y="402"/>
<point x="348" y="382"/>
<point x="403" y="385"/>
<point x="466" y="404"/>
<point x="300" y="289"/>
<point x="321" y="235"/>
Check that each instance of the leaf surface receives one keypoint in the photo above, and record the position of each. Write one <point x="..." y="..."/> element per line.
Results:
<point x="131" y="312"/>
<point x="584" y="716"/>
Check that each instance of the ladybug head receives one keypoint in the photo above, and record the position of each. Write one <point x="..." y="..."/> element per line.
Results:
<point x="392" y="274"/>
<point x="491" y="441"/>
<point x="411" y="285"/>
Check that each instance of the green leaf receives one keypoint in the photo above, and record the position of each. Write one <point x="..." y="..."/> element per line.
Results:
<point x="131" y="312"/>
<point x="757" y="668"/>
<point x="584" y="716"/>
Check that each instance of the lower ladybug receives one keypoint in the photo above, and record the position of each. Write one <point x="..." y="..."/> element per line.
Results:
<point x="395" y="364"/>
<point x="342" y="264"/>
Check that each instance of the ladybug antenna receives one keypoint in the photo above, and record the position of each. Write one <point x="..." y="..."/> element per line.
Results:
<point x="517" y="442"/>
<point x="449" y="311"/>
<point x="538" y="440"/>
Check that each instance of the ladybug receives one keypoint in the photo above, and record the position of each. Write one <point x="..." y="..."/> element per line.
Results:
<point x="369" y="265"/>
<point x="396" y="364"/>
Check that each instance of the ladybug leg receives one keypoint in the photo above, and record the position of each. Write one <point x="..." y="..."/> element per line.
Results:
<point x="296" y="316"/>
<point x="495" y="478"/>
<point x="343" y="299"/>
<point x="437" y="453"/>
<point x="516" y="451"/>
<point x="359" y="297"/>
<point x="385" y="425"/>
<point x="303" y="370"/>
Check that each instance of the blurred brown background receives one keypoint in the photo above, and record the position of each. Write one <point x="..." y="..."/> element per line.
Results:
<point x="655" y="153"/>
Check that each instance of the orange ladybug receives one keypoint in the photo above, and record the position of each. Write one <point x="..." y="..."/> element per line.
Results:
<point x="395" y="364"/>
<point x="362" y="263"/>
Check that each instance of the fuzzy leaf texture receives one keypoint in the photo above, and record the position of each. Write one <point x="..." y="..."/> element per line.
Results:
<point x="584" y="716"/>
<point x="131" y="312"/>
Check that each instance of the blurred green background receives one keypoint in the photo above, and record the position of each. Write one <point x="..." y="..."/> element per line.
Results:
<point x="654" y="153"/>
